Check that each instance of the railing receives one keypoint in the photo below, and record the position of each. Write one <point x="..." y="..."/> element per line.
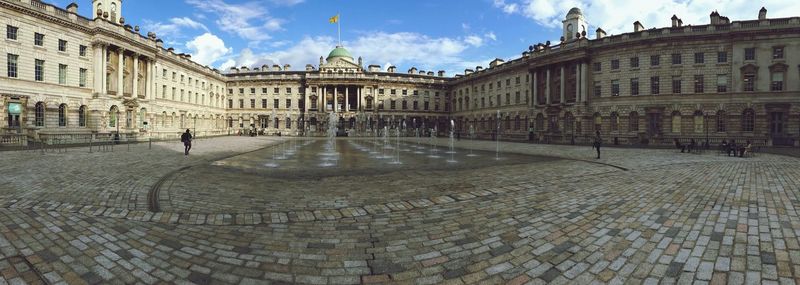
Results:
<point x="699" y="28"/>
<point x="13" y="140"/>
<point x="749" y="24"/>
<point x="38" y="5"/>
<point x="779" y="22"/>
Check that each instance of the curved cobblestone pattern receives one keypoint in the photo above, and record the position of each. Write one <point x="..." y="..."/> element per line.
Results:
<point x="682" y="219"/>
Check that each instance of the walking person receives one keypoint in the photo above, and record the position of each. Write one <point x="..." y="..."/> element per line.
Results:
<point x="186" y="138"/>
<point x="598" y="141"/>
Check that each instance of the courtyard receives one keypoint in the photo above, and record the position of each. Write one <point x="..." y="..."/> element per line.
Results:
<point x="541" y="214"/>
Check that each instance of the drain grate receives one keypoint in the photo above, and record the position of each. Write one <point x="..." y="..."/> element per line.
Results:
<point x="16" y="268"/>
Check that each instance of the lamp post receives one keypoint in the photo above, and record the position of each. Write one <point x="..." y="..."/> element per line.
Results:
<point x="705" y="122"/>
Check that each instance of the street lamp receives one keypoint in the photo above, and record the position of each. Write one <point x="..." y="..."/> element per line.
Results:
<point x="705" y="122"/>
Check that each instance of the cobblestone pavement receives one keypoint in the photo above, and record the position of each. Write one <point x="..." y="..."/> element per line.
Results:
<point x="634" y="216"/>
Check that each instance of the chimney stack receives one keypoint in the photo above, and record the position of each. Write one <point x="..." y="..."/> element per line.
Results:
<point x="441" y="73"/>
<point x="638" y="27"/>
<point x="72" y="8"/>
<point x="674" y="21"/>
<point x="762" y="14"/>
<point x="600" y="33"/>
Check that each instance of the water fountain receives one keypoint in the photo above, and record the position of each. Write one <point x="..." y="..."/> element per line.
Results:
<point x="397" y="139"/>
<point x="472" y="139"/>
<point x="330" y="155"/>
<point x="497" y="138"/>
<point x="430" y="142"/>
<point x="452" y="142"/>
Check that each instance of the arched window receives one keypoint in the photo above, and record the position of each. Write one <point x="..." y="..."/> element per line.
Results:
<point x="676" y="122"/>
<point x="598" y="122"/>
<point x="288" y="123"/>
<point x="569" y="122"/>
<point x="633" y="122"/>
<point x="163" y="119"/>
<point x="614" y="121"/>
<point x="516" y="123"/>
<point x="62" y="115"/>
<point x="113" y="116"/>
<point x="699" y="123"/>
<point x="38" y="113"/>
<point x="539" y="122"/>
<point x="748" y="120"/>
<point x="508" y="122"/>
<point x="722" y="122"/>
<point x="82" y="116"/>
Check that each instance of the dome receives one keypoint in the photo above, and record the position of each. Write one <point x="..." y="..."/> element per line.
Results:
<point x="340" y="51"/>
<point x="575" y="11"/>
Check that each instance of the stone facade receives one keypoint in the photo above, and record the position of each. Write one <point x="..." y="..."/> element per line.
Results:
<point x="733" y="80"/>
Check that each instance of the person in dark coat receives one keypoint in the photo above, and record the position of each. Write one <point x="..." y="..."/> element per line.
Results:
<point x="186" y="139"/>
<point x="679" y="145"/>
<point x="598" y="141"/>
<point x="692" y="145"/>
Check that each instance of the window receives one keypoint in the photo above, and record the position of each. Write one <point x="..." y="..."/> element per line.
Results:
<point x="288" y="123"/>
<point x="275" y="103"/>
<point x="62" y="74"/>
<point x="263" y="103"/>
<point x="230" y="91"/>
<point x="598" y="89"/>
<point x="39" y="70"/>
<point x="699" y="122"/>
<point x="264" y="90"/>
<point x="699" y="58"/>
<point x="241" y="90"/>
<point x="750" y="54"/>
<point x="62" y="45"/>
<point x="393" y="92"/>
<point x="676" y="58"/>
<point x="749" y="81"/>
<point x="252" y="103"/>
<point x="82" y="77"/>
<point x="62" y="115"/>
<point x="12" y="65"/>
<point x="597" y="66"/>
<point x="676" y="84"/>
<point x="405" y="92"/>
<point x="427" y="105"/>
<point x="614" y="64"/>
<point x="241" y="103"/>
<point x="722" y="57"/>
<point x="676" y="122"/>
<point x="699" y="84"/>
<point x="634" y="86"/>
<point x="614" y="87"/>
<point x="38" y="113"/>
<point x="252" y="90"/>
<point x="655" y="60"/>
<point x="276" y="90"/>
<point x="634" y="62"/>
<point x="288" y="103"/>
<point x="230" y="103"/>
<point x="633" y="122"/>
<point x="82" y="50"/>
<point x="38" y="39"/>
<point x="415" y="105"/>
<point x="405" y="105"/>
<point x="721" y="122"/>
<point x="614" y="122"/>
<point x="82" y="116"/>
<point x="777" y="53"/>
<point x="11" y="32"/>
<point x="289" y="91"/>
<point x="655" y="87"/>
<point x="777" y="81"/>
<point x="748" y="120"/>
<point x="380" y="91"/>
<point x="722" y="83"/>
<point x="393" y="104"/>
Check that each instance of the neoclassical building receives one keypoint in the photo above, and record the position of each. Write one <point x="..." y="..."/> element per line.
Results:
<point x="67" y="76"/>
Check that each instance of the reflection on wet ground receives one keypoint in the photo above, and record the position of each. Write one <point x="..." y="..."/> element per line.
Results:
<point x="313" y="159"/>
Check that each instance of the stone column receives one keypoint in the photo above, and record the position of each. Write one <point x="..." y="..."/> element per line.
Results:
<point x="135" y="80"/>
<point x="360" y="100"/>
<point x="584" y="81"/>
<point x="547" y="88"/>
<point x="347" y="98"/>
<point x="578" y="79"/>
<point x="120" y="66"/>
<point x="103" y="67"/>
<point x="563" y="84"/>
<point x="535" y="98"/>
<point x="99" y="68"/>
<point x="335" y="99"/>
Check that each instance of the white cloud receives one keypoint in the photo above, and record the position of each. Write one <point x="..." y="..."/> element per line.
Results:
<point x="247" y="20"/>
<point x="403" y="48"/>
<point x="491" y="35"/>
<point x="207" y="49"/>
<point x="287" y="2"/>
<point x="174" y="27"/>
<point x="617" y="16"/>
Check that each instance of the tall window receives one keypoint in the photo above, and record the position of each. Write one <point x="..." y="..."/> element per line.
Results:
<point x="699" y="58"/>
<point x="699" y="121"/>
<point x="275" y="103"/>
<point x="598" y="89"/>
<point x="699" y="84"/>
<point x="39" y="70"/>
<point x="12" y="65"/>
<point x="614" y="87"/>
<point x="11" y="32"/>
<point x="614" y="122"/>
<point x="634" y="62"/>
<point x="62" y="74"/>
<point x="113" y="116"/>
<point x="597" y="66"/>
<point x="614" y="64"/>
<point x="62" y="115"/>
<point x="38" y="114"/>
<point x="750" y="54"/>
<point x="777" y="81"/>
<point x="634" y="86"/>
<point x="288" y="103"/>
<point x="38" y="39"/>
<point x="82" y="50"/>
<point x="288" y="123"/>
<point x="633" y="122"/>
<point x="655" y="60"/>
<point x="748" y="120"/>
<point x="722" y="56"/>
<point x="62" y="45"/>
<point x="676" y="84"/>
<point x="252" y="103"/>
<point x="82" y="77"/>
<point x="676" y="122"/>
<point x="749" y="81"/>
<point x="82" y="116"/>
<point x="676" y="58"/>
<point x="263" y="103"/>
<point x="721" y="121"/>
<point x="722" y="83"/>
<point x="655" y="87"/>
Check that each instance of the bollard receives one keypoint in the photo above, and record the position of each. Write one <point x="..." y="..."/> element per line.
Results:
<point x="128" y="142"/>
<point x="90" y="145"/>
<point x="150" y="143"/>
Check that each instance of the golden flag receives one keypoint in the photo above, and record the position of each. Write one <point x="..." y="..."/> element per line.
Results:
<point x="334" y="19"/>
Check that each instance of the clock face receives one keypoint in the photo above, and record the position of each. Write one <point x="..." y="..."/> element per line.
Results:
<point x="569" y="27"/>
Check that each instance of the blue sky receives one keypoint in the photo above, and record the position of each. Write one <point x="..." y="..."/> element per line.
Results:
<point x="431" y="35"/>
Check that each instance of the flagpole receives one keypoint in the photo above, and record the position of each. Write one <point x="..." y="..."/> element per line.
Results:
<point x="339" y="27"/>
